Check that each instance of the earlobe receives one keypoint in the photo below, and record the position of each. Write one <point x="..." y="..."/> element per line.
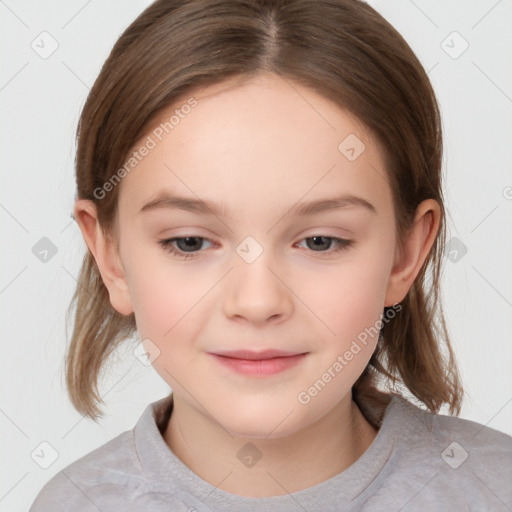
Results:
<point x="105" y="254"/>
<point x="416" y="247"/>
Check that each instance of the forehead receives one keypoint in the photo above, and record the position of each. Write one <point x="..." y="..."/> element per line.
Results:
<point x="263" y="141"/>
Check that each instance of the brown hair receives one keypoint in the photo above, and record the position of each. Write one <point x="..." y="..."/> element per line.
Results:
<point x="343" y="50"/>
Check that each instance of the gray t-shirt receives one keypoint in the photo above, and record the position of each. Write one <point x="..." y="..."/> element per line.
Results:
<point x="418" y="461"/>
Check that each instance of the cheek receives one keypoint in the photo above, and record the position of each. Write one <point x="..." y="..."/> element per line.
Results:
<point x="350" y="297"/>
<point x="168" y="309"/>
<point x="164" y="303"/>
<point x="163" y="293"/>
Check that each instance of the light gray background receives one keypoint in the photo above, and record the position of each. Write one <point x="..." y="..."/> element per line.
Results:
<point x="40" y="101"/>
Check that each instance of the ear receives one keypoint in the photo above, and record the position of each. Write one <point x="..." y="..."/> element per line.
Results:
<point x="417" y="244"/>
<point x="106" y="255"/>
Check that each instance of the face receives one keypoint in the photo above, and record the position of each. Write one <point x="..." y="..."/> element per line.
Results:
<point x="259" y="273"/>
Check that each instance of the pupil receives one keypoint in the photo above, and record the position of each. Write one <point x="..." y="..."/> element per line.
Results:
<point x="188" y="243"/>
<point x="315" y="238"/>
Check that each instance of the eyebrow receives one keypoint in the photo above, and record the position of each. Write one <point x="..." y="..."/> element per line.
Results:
<point x="205" y="207"/>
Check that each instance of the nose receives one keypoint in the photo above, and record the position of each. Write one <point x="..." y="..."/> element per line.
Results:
<point x="256" y="292"/>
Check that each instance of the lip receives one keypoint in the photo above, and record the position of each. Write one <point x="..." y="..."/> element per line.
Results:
<point x="254" y="354"/>
<point x="258" y="364"/>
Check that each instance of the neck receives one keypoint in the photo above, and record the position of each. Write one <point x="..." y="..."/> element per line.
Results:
<point x="287" y="464"/>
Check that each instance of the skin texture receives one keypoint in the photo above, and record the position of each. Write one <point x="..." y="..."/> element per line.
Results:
<point x="259" y="148"/>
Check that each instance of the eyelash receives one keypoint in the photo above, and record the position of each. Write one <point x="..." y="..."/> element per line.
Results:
<point x="167" y="247"/>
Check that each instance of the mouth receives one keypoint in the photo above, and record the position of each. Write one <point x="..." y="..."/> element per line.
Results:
<point x="255" y="354"/>
<point x="261" y="363"/>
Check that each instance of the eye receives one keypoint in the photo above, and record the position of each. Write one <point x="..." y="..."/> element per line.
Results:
<point x="184" y="244"/>
<point x="320" y="241"/>
<point x="188" y="247"/>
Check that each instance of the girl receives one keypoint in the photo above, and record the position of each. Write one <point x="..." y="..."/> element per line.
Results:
<point x="261" y="131"/>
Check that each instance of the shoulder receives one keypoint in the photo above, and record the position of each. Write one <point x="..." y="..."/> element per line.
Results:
<point x="457" y="437"/>
<point x="450" y="460"/>
<point x="92" y="477"/>
<point x="111" y="477"/>
<point x="108" y="478"/>
<point x="476" y="436"/>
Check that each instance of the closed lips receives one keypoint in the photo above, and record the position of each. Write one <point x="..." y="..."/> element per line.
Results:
<point x="252" y="355"/>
